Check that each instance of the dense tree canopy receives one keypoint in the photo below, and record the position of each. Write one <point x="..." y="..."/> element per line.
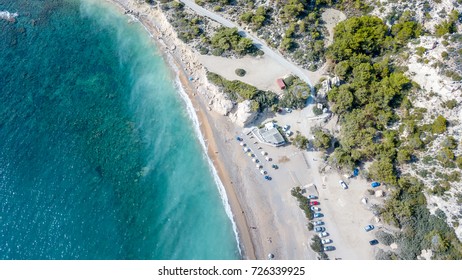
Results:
<point x="229" y="39"/>
<point x="366" y="35"/>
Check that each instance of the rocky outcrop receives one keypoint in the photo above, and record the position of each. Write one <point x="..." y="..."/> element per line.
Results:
<point x="244" y="114"/>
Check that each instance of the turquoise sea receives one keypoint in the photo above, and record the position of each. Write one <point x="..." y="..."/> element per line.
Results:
<point x="99" y="158"/>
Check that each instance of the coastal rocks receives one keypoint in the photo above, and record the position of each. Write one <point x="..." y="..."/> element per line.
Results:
<point x="244" y="114"/>
<point x="11" y="17"/>
<point x="221" y="105"/>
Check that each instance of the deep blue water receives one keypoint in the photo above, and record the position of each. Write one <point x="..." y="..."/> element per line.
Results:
<point x="98" y="157"/>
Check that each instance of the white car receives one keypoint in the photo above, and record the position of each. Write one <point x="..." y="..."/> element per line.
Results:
<point x="288" y="110"/>
<point x="344" y="186"/>
<point x="289" y="133"/>
<point x="285" y="128"/>
<point x="323" y="234"/>
<point x="314" y="208"/>
<point x="326" y="241"/>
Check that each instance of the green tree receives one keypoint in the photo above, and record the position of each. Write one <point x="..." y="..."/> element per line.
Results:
<point x="342" y="69"/>
<point x="383" y="170"/>
<point x="322" y="139"/>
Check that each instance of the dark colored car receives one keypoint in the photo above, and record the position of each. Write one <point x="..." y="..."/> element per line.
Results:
<point x="318" y="215"/>
<point x="329" y="248"/>
<point x="319" y="229"/>
<point x="374" y="242"/>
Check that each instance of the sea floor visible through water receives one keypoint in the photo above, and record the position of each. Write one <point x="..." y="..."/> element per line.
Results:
<point x="99" y="158"/>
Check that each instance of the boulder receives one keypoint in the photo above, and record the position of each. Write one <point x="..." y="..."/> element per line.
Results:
<point x="379" y="193"/>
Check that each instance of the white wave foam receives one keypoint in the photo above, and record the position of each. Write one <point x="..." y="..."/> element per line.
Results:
<point x="220" y="186"/>
<point x="8" y="16"/>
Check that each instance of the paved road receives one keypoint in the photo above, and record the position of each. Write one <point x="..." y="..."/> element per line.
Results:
<point x="295" y="69"/>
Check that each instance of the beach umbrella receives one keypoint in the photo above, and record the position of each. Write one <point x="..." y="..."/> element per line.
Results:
<point x="254" y="159"/>
<point x="249" y="154"/>
<point x="263" y="153"/>
<point x="245" y="149"/>
<point x="270" y="256"/>
<point x="258" y="166"/>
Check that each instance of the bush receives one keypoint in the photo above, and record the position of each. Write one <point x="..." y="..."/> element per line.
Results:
<point x="322" y="139"/>
<point x="300" y="141"/>
<point x="316" y="244"/>
<point x="450" y="104"/>
<point x="439" y="125"/>
<point x="310" y="226"/>
<point x="240" y="72"/>
<point x="459" y="161"/>
<point x="385" y="238"/>
<point x="303" y="202"/>
<point x="317" y="111"/>
<point x="227" y="39"/>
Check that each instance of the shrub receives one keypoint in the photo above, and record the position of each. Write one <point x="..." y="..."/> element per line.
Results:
<point x="317" y="111"/>
<point x="322" y="139"/>
<point x="450" y="104"/>
<point x="420" y="51"/>
<point x="300" y="141"/>
<point x="240" y="72"/>
<point x="303" y="202"/>
<point x="310" y="226"/>
<point x="385" y="238"/>
<point x="439" y="125"/>
<point x="316" y="244"/>
<point x="459" y="161"/>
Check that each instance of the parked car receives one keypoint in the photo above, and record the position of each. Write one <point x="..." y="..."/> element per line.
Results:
<point x="312" y="196"/>
<point x="314" y="202"/>
<point x="288" y="110"/>
<point x="368" y="227"/>
<point x="319" y="229"/>
<point x="318" y="215"/>
<point x="285" y="128"/>
<point x="329" y="248"/>
<point x="314" y="208"/>
<point x="344" y="186"/>
<point x="374" y="242"/>
<point x="375" y="184"/>
<point x="326" y="241"/>
<point x="318" y="223"/>
<point x="323" y="234"/>
<point x="289" y="133"/>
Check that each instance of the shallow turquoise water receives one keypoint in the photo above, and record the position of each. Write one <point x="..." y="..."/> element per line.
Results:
<point x="98" y="158"/>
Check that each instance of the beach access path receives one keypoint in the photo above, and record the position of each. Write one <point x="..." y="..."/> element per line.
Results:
<point x="307" y="76"/>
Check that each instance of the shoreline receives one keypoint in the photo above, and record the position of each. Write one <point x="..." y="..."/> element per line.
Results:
<point x="245" y="244"/>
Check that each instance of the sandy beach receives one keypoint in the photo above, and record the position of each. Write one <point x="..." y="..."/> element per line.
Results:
<point x="268" y="218"/>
